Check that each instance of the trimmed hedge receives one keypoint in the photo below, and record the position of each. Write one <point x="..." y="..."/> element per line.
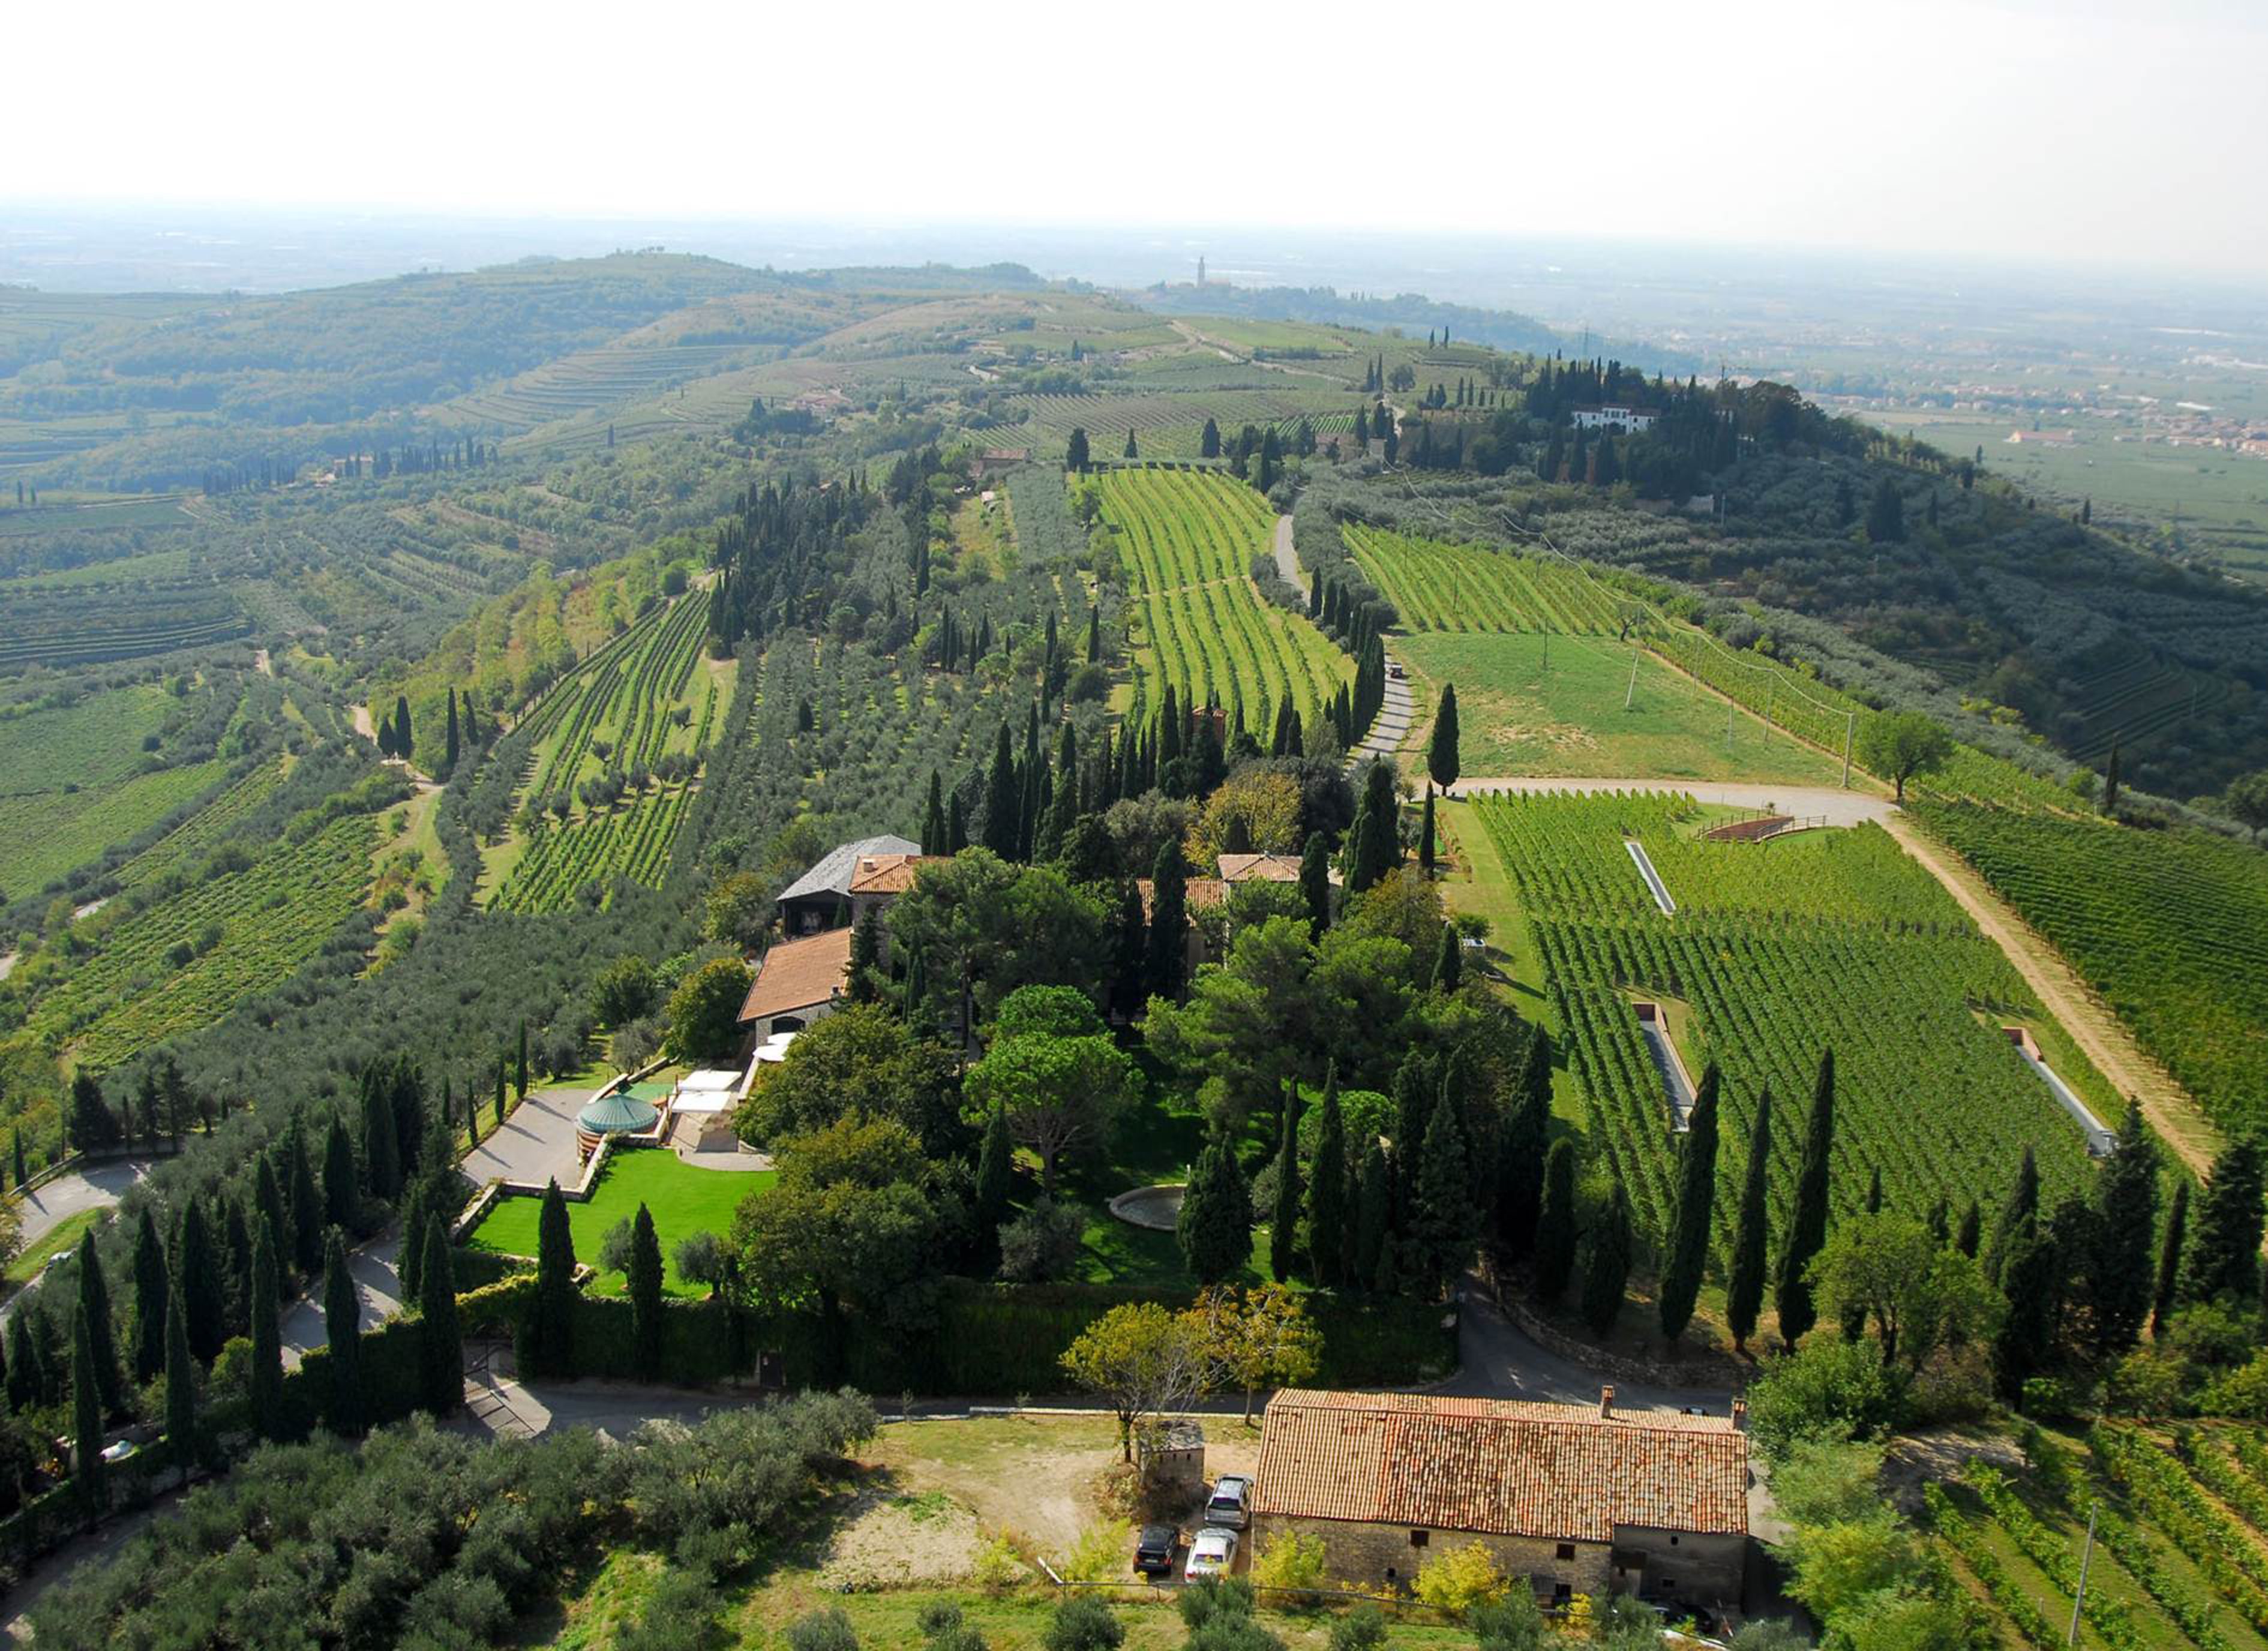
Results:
<point x="473" y="1268"/>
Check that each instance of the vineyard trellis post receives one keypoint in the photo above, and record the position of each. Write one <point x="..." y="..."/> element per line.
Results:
<point x="2078" y="1598"/>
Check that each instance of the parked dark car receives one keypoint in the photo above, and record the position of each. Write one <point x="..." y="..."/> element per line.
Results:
<point x="1153" y="1550"/>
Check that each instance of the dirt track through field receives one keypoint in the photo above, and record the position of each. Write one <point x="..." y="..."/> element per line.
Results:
<point x="2101" y="1035"/>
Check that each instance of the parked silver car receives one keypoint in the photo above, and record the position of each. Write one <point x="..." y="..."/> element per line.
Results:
<point x="1230" y="1505"/>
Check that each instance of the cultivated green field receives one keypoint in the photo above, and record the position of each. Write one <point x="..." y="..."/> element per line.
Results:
<point x="1187" y="540"/>
<point x="1779" y="950"/>
<point x="1516" y="716"/>
<point x="2171" y="929"/>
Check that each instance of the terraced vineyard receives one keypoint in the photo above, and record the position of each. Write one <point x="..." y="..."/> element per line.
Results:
<point x="182" y="962"/>
<point x="1438" y="586"/>
<point x="1832" y="939"/>
<point x="1187" y="540"/>
<point x="636" y="710"/>
<point x="2178" y="1559"/>
<point x="2171" y="929"/>
<point x="589" y="379"/>
<point x="83" y="775"/>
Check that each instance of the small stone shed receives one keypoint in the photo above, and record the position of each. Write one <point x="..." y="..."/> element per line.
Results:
<point x="1576" y="1498"/>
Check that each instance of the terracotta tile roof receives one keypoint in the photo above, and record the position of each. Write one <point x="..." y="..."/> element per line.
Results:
<point x="1199" y="894"/>
<point x="1500" y="1467"/>
<point x="1265" y="869"/>
<point x="890" y="873"/>
<point x="796" y="974"/>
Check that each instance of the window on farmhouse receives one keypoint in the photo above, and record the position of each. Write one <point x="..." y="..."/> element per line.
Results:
<point x="1566" y="1551"/>
<point x="1418" y="1539"/>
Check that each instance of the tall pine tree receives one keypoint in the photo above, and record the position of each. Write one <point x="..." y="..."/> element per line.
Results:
<point x="342" y="1334"/>
<point x="1327" y="1186"/>
<point x="1556" y="1232"/>
<point x="1606" y="1270"/>
<point x="1284" y="1227"/>
<point x="2224" y="1250"/>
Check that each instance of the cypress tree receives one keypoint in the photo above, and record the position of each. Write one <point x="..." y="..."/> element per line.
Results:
<point x="551" y="1325"/>
<point x="1970" y="1233"/>
<point x="268" y="1205"/>
<point x="1442" y="750"/>
<point x="1214" y="1228"/>
<point x="1442" y="1215"/>
<point x="1556" y="1229"/>
<point x="267" y="1334"/>
<point x="1166" y="958"/>
<point x="519" y="1073"/>
<point x="180" y="1380"/>
<point x="1425" y="835"/>
<point x="1806" y="1225"/>
<point x="410" y="1254"/>
<point x="449" y="744"/>
<point x="1327" y="1189"/>
<point x="2116" y="1271"/>
<point x="1449" y="961"/>
<point x="500" y="1090"/>
<point x="2020" y="1217"/>
<point x="1744" y="1283"/>
<point x="956" y="830"/>
<point x="1606" y="1270"/>
<point x="306" y="1204"/>
<point x="94" y="1302"/>
<point x="443" y="1341"/>
<point x="2224" y="1252"/>
<point x="645" y="1295"/>
<point x="1284" y="1228"/>
<point x="995" y="1172"/>
<point x="934" y="829"/>
<point x="2163" y="1299"/>
<point x="342" y="1334"/>
<point x="2033" y="1268"/>
<point x="21" y="1175"/>
<point x="381" y="1151"/>
<point x="197" y="1274"/>
<point x="1521" y="1151"/>
<point x="1094" y="634"/>
<point x="1697" y="1196"/>
<point x="86" y="1420"/>
<point x="1003" y="798"/>
<point x="1315" y="883"/>
<point x="866" y="957"/>
<point x="1377" y="831"/>
<point x="150" y="1290"/>
<point x="341" y="1194"/>
<point x="404" y="740"/>
<point x="1373" y="1212"/>
<point x="25" y="1378"/>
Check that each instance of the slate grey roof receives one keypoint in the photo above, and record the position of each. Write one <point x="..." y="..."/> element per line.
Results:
<point x="833" y="873"/>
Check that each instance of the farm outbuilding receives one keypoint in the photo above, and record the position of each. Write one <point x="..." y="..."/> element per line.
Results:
<point x="1574" y="1498"/>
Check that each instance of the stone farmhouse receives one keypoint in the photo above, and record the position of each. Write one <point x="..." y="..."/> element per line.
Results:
<point x="1577" y="1500"/>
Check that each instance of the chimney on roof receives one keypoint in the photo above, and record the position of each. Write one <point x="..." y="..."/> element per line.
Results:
<point x="1605" y="1401"/>
<point x="1739" y="1415"/>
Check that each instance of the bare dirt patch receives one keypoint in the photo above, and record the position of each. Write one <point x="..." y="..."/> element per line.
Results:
<point x="889" y="1537"/>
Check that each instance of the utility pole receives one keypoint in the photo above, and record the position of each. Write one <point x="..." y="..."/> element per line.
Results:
<point x="2086" y="1558"/>
<point x="1630" y="693"/>
<point x="1849" y="729"/>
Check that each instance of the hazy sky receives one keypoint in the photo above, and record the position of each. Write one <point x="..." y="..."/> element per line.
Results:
<point x="2080" y="132"/>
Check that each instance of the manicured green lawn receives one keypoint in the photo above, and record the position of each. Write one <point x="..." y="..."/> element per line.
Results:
<point x="1515" y="718"/>
<point x="683" y="1201"/>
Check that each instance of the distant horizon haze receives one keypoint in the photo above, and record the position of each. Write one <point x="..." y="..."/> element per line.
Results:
<point x="2086" y="135"/>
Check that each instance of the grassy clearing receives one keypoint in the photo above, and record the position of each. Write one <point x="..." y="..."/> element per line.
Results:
<point x="1517" y="718"/>
<point x="63" y="1235"/>
<point x="683" y="1201"/>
